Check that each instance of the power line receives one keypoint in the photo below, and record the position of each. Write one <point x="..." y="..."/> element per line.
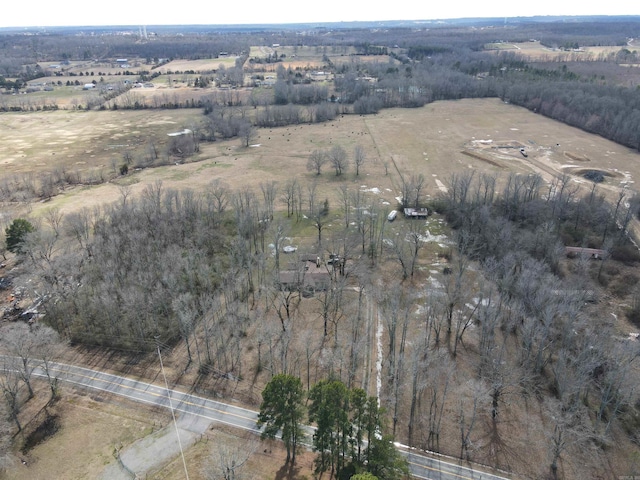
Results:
<point x="173" y="415"/>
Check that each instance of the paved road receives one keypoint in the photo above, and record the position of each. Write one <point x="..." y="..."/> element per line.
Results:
<point x="422" y="466"/>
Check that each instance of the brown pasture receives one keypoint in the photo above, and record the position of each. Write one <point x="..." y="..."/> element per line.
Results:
<point x="204" y="65"/>
<point x="309" y="58"/>
<point x="437" y="140"/>
<point x="38" y="142"/>
<point x="356" y="59"/>
<point x="534" y="50"/>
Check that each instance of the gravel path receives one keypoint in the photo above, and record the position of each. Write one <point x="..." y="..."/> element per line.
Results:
<point x="157" y="449"/>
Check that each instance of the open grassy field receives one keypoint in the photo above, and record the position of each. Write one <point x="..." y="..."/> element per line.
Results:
<point x="88" y="432"/>
<point x="62" y="96"/>
<point x="436" y="141"/>
<point x="310" y="58"/>
<point x="45" y="141"/>
<point x="536" y="51"/>
<point x="204" y="65"/>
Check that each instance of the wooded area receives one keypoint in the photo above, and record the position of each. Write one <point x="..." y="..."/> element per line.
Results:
<point x="495" y="344"/>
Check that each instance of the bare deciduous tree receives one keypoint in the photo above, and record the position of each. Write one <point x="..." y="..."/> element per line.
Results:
<point x="78" y="225"/>
<point x="406" y="247"/>
<point x="10" y="388"/>
<point x="439" y="378"/>
<point x="269" y="193"/>
<point x="186" y="314"/>
<point x="417" y="186"/>
<point x="468" y="416"/>
<point x="567" y="428"/>
<point x="53" y="218"/>
<point x="229" y="460"/>
<point x="396" y="308"/>
<point x="24" y="342"/>
<point x="247" y="132"/>
<point x="312" y="187"/>
<point x="316" y="161"/>
<point x="359" y="158"/>
<point x="219" y="194"/>
<point x="289" y="195"/>
<point x="338" y="159"/>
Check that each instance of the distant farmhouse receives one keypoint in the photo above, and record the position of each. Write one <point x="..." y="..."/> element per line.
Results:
<point x="319" y="76"/>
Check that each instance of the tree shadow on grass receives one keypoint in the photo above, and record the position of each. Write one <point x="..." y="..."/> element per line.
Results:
<point x="288" y="471"/>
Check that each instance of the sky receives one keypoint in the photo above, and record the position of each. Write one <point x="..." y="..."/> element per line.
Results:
<point x="163" y="12"/>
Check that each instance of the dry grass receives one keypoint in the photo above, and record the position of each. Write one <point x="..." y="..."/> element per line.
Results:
<point x="430" y="140"/>
<point x="93" y="426"/>
<point x="204" y="65"/>
<point x="38" y="142"/>
<point x="90" y="428"/>
<point x="535" y="51"/>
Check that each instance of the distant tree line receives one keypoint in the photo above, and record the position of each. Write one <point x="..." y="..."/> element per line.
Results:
<point x="610" y="111"/>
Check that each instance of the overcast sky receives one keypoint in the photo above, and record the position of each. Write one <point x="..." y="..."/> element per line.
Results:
<point x="163" y="12"/>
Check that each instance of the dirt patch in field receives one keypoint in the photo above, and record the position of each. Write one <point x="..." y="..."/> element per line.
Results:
<point x="483" y="158"/>
<point x="576" y="157"/>
<point x="594" y="175"/>
<point x="204" y="65"/>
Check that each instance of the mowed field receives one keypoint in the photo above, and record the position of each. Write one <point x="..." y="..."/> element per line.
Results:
<point x="37" y="142"/>
<point x="311" y="58"/>
<point x="204" y="65"/>
<point x="536" y="51"/>
<point x="436" y="140"/>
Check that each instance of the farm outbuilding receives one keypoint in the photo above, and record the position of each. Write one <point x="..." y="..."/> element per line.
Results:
<point x="594" y="253"/>
<point x="416" y="212"/>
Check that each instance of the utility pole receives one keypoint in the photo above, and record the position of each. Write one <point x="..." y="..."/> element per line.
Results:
<point x="173" y="415"/>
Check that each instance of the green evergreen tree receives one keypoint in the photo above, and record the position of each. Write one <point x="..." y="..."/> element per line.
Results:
<point x="346" y="421"/>
<point x="359" y="419"/>
<point x="282" y="410"/>
<point x="364" y="476"/>
<point x="384" y="459"/>
<point x="16" y="234"/>
<point x="329" y="410"/>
